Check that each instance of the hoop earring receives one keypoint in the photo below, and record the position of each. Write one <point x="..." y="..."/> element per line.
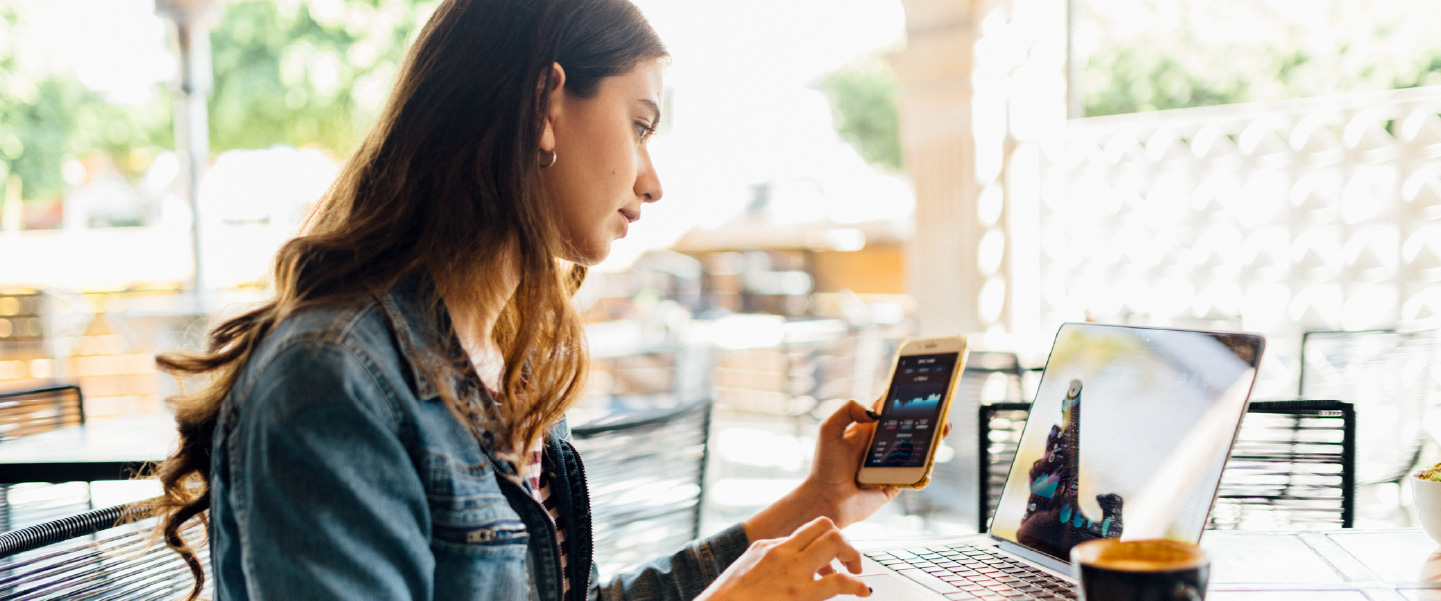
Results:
<point x="548" y="154"/>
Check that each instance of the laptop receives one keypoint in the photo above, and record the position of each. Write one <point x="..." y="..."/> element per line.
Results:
<point x="1127" y="437"/>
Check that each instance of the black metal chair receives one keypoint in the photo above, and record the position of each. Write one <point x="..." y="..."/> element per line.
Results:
<point x="1293" y="465"/>
<point x="102" y="554"/>
<point x="646" y="474"/>
<point x="998" y="436"/>
<point x="31" y="411"/>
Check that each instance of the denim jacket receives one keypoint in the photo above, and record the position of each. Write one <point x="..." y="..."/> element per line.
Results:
<point x="337" y="473"/>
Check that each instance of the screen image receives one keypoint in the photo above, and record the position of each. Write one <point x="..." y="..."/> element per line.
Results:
<point x="1127" y="436"/>
<point x="912" y="411"/>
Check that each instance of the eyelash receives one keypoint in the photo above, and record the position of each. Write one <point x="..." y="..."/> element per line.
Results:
<point x="644" y="130"/>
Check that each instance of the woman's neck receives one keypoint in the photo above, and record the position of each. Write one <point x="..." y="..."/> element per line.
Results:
<point x="474" y="314"/>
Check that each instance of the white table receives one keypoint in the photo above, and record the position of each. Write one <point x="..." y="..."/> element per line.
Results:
<point x="1334" y="565"/>
<point x="111" y="448"/>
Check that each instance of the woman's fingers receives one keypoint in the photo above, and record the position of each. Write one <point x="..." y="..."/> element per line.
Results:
<point x="819" y="542"/>
<point x="849" y="413"/>
<point x="804" y="535"/>
<point x="841" y="584"/>
<point x="832" y="545"/>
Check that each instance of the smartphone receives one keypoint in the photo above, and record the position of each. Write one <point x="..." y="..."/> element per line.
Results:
<point x="913" y="414"/>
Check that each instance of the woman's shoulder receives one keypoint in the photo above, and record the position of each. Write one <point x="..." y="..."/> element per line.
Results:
<point x="346" y="347"/>
<point x="357" y="326"/>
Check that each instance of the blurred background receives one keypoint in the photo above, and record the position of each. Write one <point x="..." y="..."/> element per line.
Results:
<point x="839" y="175"/>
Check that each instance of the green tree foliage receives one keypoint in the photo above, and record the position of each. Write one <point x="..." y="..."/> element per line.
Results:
<point x="45" y="117"/>
<point x="285" y="72"/>
<point x="1161" y="54"/>
<point x="863" y="101"/>
<point x="305" y="73"/>
<point x="1125" y="80"/>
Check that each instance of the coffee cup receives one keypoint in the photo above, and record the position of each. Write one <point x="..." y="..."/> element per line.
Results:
<point x="1109" y="569"/>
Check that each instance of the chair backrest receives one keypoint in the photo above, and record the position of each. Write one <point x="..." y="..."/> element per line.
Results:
<point x="103" y="554"/>
<point x="646" y="475"/>
<point x="998" y="436"/>
<point x="1293" y="465"/>
<point x="25" y="412"/>
<point x="1388" y="376"/>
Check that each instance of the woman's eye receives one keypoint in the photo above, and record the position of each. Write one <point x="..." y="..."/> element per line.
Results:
<point x="643" y="131"/>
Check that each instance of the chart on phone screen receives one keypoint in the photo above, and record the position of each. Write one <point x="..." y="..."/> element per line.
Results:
<point x="912" y="409"/>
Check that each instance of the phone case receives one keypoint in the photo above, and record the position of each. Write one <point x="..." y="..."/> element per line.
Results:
<point x="931" y="456"/>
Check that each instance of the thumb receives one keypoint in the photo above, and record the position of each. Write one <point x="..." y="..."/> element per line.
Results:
<point x="851" y="412"/>
<point x="840" y="584"/>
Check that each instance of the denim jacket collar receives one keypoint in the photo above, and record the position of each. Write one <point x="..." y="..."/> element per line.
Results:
<point x="420" y="338"/>
<point x="426" y="336"/>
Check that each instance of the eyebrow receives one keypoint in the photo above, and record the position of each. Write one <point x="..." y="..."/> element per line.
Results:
<point x="655" y="109"/>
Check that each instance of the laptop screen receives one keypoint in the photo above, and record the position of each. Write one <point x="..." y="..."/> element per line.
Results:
<point x="1127" y="436"/>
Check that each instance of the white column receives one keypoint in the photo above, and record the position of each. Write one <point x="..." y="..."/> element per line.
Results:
<point x="939" y="147"/>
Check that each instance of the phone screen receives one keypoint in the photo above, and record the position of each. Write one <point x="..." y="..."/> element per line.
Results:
<point x="912" y="411"/>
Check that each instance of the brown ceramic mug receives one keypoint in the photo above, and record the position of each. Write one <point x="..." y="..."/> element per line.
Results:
<point x="1108" y="569"/>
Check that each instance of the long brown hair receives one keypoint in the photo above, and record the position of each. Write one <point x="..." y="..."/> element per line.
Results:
<point x="447" y="186"/>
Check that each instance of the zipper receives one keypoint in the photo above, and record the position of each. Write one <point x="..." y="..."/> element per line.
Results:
<point x="482" y="535"/>
<point x="584" y="498"/>
<point x="543" y="521"/>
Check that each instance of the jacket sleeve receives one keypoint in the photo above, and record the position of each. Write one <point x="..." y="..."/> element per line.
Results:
<point x="679" y="577"/>
<point x="327" y="500"/>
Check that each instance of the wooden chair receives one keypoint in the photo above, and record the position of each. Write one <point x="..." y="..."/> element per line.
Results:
<point x="1293" y="465"/>
<point x="646" y="474"/>
<point x="102" y="554"/>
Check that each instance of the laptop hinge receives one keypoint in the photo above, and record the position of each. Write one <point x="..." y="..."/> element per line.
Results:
<point x="1055" y="565"/>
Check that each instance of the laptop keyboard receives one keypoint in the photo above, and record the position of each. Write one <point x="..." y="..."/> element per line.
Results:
<point x="974" y="572"/>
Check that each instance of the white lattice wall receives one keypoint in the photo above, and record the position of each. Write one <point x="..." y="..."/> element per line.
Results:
<point x="1319" y="213"/>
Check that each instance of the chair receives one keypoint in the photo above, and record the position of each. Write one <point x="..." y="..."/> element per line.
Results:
<point x="25" y="412"/>
<point x="998" y="436"/>
<point x="646" y="474"/>
<point x="102" y="554"/>
<point x="32" y="411"/>
<point x="1387" y="375"/>
<point x="1293" y="465"/>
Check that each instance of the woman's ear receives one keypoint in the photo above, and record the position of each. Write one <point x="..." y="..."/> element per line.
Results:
<point x="557" y="99"/>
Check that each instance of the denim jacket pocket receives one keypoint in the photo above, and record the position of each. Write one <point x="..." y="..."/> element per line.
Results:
<point x="468" y="510"/>
<point x="478" y="541"/>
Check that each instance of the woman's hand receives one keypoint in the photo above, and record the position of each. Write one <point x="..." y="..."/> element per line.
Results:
<point x="840" y="447"/>
<point x="830" y="490"/>
<point x="795" y="568"/>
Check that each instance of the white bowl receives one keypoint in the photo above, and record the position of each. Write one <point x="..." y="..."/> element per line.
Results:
<point x="1428" y="505"/>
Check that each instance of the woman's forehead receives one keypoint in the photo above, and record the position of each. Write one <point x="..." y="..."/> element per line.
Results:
<point x="642" y="82"/>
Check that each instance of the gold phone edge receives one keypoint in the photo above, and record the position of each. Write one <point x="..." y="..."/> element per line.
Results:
<point x="925" y="480"/>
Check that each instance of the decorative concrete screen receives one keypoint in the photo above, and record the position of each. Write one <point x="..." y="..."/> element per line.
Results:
<point x="1280" y="217"/>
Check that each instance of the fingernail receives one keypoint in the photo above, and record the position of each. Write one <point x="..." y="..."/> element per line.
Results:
<point x="872" y="414"/>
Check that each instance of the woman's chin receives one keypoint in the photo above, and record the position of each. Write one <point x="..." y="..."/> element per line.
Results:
<point x="588" y="257"/>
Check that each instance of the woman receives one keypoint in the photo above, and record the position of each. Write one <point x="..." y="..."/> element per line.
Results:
<point x="368" y="433"/>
